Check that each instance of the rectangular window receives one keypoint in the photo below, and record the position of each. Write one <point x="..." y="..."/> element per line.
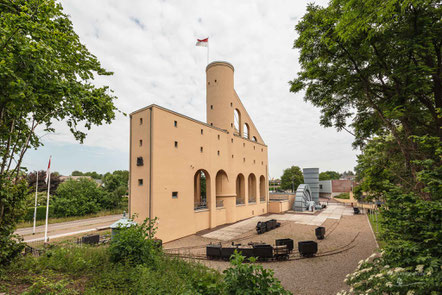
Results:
<point x="141" y="142"/>
<point x="174" y="195"/>
<point x="219" y="137"/>
<point x="140" y="181"/>
<point x="176" y="144"/>
<point x="175" y="123"/>
<point x="201" y="149"/>
<point x="218" y="153"/>
<point x="141" y="121"/>
<point x="201" y="131"/>
<point x="140" y="161"/>
<point x="211" y="107"/>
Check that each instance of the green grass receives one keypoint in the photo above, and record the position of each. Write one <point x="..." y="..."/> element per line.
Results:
<point x="377" y="228"/>
<point x="343" y="196"/>
<point x="71" y="218"/>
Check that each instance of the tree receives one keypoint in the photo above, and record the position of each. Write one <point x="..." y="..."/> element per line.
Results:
<point x="378" y="63"/>
<point x="291" y="178"/>
<point x="45" y="75"/>
<point x="117" y="185"/>
<point x="78" y="197"/>
<point x="31" y="178"/>
<point x="329" y="175"/>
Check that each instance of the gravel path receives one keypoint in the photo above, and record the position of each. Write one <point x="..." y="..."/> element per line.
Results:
<point x="320" y="275"/>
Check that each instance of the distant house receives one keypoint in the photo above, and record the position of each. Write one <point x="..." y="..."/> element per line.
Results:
<point x="331" y="188"/>
<point x="274" y="185"/>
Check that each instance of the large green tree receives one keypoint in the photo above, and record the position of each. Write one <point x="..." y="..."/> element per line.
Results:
<point x="291" y="178"/>
<point x="374" y="68"/>
<point x="46" y="75"/>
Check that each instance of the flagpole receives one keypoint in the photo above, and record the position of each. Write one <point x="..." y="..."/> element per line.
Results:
<point x="47" y="200"/>
<point x="35" y="206"/>
<point x="207" y="51"/>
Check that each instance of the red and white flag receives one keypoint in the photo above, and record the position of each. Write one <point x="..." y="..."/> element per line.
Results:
<point x="202" y="42"/>
<point x="48" y="172"/>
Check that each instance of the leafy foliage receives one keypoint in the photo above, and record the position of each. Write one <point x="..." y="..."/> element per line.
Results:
<point x="291" y="178"/>
<point x="329" y="175"/>
<point x="250" y="278"/>
<point x="31" y="178"/>
<point x="135" y="244"/>
<point x="78" y="198"/>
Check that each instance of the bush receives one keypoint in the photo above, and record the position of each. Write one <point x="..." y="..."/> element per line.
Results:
<point x="41" y="213"/>
<point x="343" y="196"/>
<point x="244" y="278"/>
<point x="78" y="198"/>
<point x="135" y="245"/>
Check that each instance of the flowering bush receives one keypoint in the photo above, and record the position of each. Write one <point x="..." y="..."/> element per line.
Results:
<point x="374" y="276"/>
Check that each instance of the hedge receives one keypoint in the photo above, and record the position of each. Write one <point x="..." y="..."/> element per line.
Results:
<point x="41" y="213"/>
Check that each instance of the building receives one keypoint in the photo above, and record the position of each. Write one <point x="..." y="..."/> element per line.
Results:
<point x="275" y="185"/>
<point x="332" y="188"/>
<point x="193" y="175"/>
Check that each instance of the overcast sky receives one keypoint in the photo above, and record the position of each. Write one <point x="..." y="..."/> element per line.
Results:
<point x="150" y="47"/>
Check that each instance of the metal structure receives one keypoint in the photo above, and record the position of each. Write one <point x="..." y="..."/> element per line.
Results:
<point x="303" y="198"/>
<point x="311" y="177"/>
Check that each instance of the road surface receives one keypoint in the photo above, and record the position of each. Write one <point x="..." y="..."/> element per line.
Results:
<point x="57" y="230"/>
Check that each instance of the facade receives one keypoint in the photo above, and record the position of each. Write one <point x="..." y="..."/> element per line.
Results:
<point x="193" y="175"/>
<point x="331" y="188"/>
<point x="275" y="185"/>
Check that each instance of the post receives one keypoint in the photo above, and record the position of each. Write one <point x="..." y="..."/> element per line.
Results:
<point x="35" y="206"/>
<point x="47" y="207"/>
<point x="207" y="50"/>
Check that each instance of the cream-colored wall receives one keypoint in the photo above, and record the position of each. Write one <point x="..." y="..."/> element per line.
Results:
<point x="174" y="168"/>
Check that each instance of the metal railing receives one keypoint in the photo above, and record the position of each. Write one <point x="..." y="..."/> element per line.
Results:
<point x="219" y="203"/>
<point x="199" y="205"/>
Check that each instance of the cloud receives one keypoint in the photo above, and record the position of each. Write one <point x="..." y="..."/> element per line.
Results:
<point x="150" y="47"/>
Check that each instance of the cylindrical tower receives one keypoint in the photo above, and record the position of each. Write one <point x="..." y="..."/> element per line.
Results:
<point x="220" y="94"/>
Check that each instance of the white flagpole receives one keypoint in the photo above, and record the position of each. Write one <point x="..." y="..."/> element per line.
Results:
<point x="35" y="206"/>
<point x="207" y="50"/>
<point x="47" y="202"/>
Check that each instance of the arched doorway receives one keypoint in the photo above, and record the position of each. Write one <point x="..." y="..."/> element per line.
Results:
<point x="221" y="183"/>
<point x="252" y="188"/>
<point x="240" y="189"/>
<point x="201" y="188"/>
<point x="237" y="121"/>
<point x="262" y="188"/>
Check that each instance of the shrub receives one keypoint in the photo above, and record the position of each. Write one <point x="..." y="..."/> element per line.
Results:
<point x="78" y="198"/>
<point x="135" y="245"/>
<point x="245" y="278"/>
<point x="41" y="213"/>
<point x="343" y="196"/>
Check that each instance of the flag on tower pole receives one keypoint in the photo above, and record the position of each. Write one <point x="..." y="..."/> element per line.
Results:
<point x="204" y="43"/>
<point x="48" y="181"/>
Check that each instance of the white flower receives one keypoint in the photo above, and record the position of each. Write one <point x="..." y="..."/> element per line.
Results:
<point x="389" y="284"/>
<point x="351" y="289"/>
<point x="420" y="268"/>
<point x="411" y="292"/>
<point x="379" y="275"/>
<point x="390" y="272"/>
<point x="372" y="255"/>
<point x="429" y="273"/>
<point x="368" y="291"/>
<point x="361" y="261"/>
<point x="386" y="266"/>
<point x="398" y="269"/>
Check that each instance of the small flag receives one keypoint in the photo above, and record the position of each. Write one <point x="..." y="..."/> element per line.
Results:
<point x="48" y="172"/>
<point x="202" y="42"/>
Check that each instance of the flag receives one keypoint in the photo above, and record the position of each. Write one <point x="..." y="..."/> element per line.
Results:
<point x="202" y="42"/>
<point x="48" y="172"/>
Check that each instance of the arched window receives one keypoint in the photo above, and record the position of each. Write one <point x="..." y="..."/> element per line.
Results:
<point x="254" y="139"/>
<point x="221" y="183"/>
<point x="252" y="188"/>
<point x="240" y="189"/>
<point x="237" y="121"/>
<point x="201" y="183"/>
<point x="262" y="188"/>
<point x="246" y="130"/>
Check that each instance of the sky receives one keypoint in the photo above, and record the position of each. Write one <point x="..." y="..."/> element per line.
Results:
<point x="150" y="47"/>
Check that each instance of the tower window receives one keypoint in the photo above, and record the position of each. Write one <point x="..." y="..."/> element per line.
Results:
<point x="244" y="160"/>
<point x="215" y="80"/>
<point x="174" y="195"/>
<point x="231" y="140"/>
<point x="211" y="107"/>
<point x="219" y="137"/>
<point x="140" y="181"/>
<point x="201" y="131"/>
<point x="201" y="149"/>
<point x="231" y="104"/>
<point x="140" y="161"/>
<point x="141" y="121"/>
<point x="141" y="142"/>
<point x="244" y="144"/>
<point x="176" y="144"/>
<point x="175" y="123"/>
<point x="232" y="156"/>
<point x="211" y="124"/>
<point x="218" y="153"/>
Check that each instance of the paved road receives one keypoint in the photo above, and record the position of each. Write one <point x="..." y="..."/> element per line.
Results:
<point x="56" y="230"/>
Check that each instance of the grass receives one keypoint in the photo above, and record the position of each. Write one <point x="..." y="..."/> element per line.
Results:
<point x="343" y="196"/>
<point x="88" y="270"/>
<point x="375" y="223"/>
<point x="71" y="218"/>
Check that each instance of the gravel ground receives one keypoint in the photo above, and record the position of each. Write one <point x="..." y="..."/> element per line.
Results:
<point x="320" y="275"/>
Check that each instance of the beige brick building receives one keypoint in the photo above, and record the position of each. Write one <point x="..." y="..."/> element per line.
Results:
<point x="193" y="175"/>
